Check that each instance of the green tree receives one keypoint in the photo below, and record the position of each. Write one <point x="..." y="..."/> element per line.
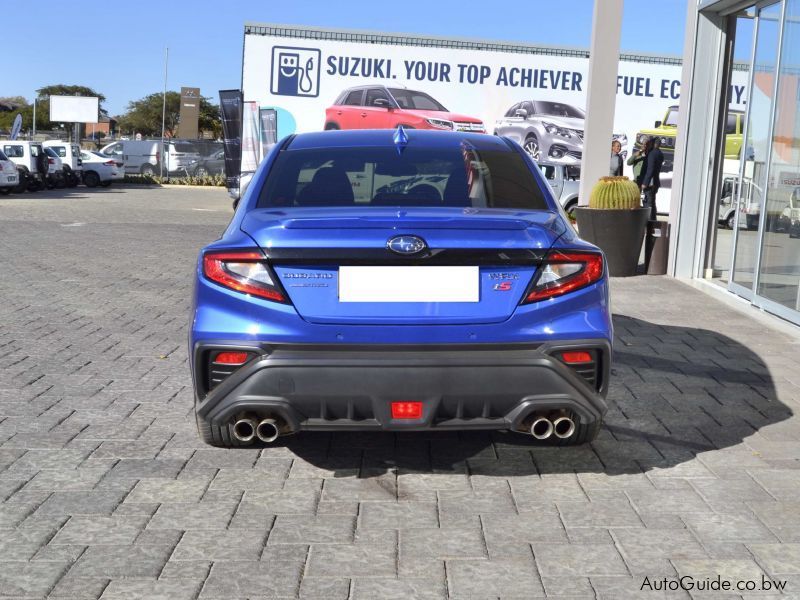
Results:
<point x="144" y="116"/>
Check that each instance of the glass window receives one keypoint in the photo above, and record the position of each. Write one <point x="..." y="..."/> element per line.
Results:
<point x="779" y="272"/>
<point x="3" y="156"/>
<point x="354" y="98"/>
<point x="59" y="150"/>
<point x="549" y="171"/>
<point x="459" y="177"/>
<point x="35" y="149"/>
<point x="415" y="100"/>
<point x="672" y="117"/>
<point x="374" y="94"/>
<point x="512" y="112"/>
<point x="527" y="107"/>
<point x="557" y="109"/>
<point x="13" y="151"/>
<point x="730" y="123"/>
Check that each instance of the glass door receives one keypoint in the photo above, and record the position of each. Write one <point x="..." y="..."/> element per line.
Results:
<point x="755" y="151"/>
<point x="778" y="285"/>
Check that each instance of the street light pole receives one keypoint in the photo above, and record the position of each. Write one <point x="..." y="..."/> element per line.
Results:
<point x="164" y="110"/>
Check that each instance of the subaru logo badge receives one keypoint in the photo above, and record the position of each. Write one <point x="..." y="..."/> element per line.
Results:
<point x="406" y="244"/>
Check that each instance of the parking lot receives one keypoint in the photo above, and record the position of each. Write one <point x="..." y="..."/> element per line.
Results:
<point x="107" y="491"/>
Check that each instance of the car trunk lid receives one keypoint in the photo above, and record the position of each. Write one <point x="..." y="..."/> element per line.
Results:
<point x="336" y="267"/>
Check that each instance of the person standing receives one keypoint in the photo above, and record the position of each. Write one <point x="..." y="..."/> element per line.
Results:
<point x="638" y="161"/>
<point x="651" y="180"/>
<point x="616" y="159"/>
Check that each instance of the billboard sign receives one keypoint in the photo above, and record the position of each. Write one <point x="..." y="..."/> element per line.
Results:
<point x="536" y="96"/>
<point x="74" y="109"/>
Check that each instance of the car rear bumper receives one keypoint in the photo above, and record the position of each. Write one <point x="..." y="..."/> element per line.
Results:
<point x="487" y="386"/>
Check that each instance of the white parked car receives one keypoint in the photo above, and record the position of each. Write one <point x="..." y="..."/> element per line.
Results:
<point x="565" y="182"/>
<point x="9" y="178"/>
<point x="70" y="154"/>
<point x="98" y="169"/>
<point x="144" y="156"/>
<point x="55" y="170"/>
<point x="31" y="162"/>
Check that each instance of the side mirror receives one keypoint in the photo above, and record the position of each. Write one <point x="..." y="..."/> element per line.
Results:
<point x="658" y="124"/>
<point x="382" y="103"/>
<point x="521" y="112"/>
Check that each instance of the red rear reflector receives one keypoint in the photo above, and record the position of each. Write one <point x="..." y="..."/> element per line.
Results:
<point x="231" y="358"/>
<point x="406" y="410"/>
<point x="574" y="358"/>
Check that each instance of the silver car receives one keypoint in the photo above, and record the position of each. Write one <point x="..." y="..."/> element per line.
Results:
<point x="549" y="131"/>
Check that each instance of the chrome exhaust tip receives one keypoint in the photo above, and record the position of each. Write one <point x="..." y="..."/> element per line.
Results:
<point x="244" y="430"/>
<point x="267" y="430"/>
<point x="542" y="428"/>
<point x="563" y="427"/>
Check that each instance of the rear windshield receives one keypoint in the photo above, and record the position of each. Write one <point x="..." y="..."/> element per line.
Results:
<point x="3" y="156"/>
<point x="418" y="177"/>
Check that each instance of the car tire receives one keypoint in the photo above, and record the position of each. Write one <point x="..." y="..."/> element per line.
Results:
<point x="570" y="209"/>
<point x="730" y="222"/>
<point x="148" y="170"/>
<point x="105" y="183"/>
<point x="531" y="146"/>
<point x="5" y="191"/>
<point x="91" y="179"/>
<point x="22" y="178"/>
<point x="331" y="126"/>
<point x="201" y="172"/>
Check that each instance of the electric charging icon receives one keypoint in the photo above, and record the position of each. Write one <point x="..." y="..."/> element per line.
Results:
<point x="295" y="71"/>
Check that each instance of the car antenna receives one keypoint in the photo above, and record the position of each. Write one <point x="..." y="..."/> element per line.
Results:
<point x="400" y="139"/>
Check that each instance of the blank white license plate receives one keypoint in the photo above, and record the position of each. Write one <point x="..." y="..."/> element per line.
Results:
<point x="409" y="284"/>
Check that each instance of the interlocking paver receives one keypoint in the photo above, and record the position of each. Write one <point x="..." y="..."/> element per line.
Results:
<point x="105" y="488"/>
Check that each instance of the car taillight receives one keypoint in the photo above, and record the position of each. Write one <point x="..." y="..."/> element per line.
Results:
<point x="52" y="161"/>
<point x="231" y="358"/>
<point x="575" y="357"/>
<point x="110" y="163"/>
<point x="245" y="271"/>
<point x="563" y="272"/>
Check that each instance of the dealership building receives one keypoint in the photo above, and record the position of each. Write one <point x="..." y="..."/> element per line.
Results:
<point x="759" y="259"/>
<point x="731" y="196"/>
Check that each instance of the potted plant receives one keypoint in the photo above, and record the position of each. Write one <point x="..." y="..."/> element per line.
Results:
<point x="616" y="222"/>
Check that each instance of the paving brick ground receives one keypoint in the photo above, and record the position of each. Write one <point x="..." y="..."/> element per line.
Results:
<point x="107" y="492"/>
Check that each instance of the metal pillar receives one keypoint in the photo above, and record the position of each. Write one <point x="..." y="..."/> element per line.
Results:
<point x="601" y="97"/>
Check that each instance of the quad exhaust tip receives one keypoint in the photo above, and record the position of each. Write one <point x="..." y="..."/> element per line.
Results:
<point x="267" y="430"/>
<point x="542" y="428"/>
<point x="244" y="430"/>
<point x="563" y="427"/>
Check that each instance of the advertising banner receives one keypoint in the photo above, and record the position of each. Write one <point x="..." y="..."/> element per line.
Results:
<point x="230" y="104"/>
<point x="251" y="138"/>
<point x="534" y="96"/>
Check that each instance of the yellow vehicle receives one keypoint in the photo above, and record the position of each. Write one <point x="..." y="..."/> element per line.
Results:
<point x="667" y="130"/>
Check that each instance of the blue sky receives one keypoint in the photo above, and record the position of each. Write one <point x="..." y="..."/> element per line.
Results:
<point x="120" y="46"/>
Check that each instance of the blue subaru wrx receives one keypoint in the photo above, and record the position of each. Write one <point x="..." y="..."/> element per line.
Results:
<point x="399" y="281"/>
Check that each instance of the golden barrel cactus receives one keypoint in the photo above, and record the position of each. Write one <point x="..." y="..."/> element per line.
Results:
<point x="615" y="193"/>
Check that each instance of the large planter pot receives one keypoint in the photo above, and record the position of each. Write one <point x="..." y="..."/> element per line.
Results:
<point x="618" y="233"/>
